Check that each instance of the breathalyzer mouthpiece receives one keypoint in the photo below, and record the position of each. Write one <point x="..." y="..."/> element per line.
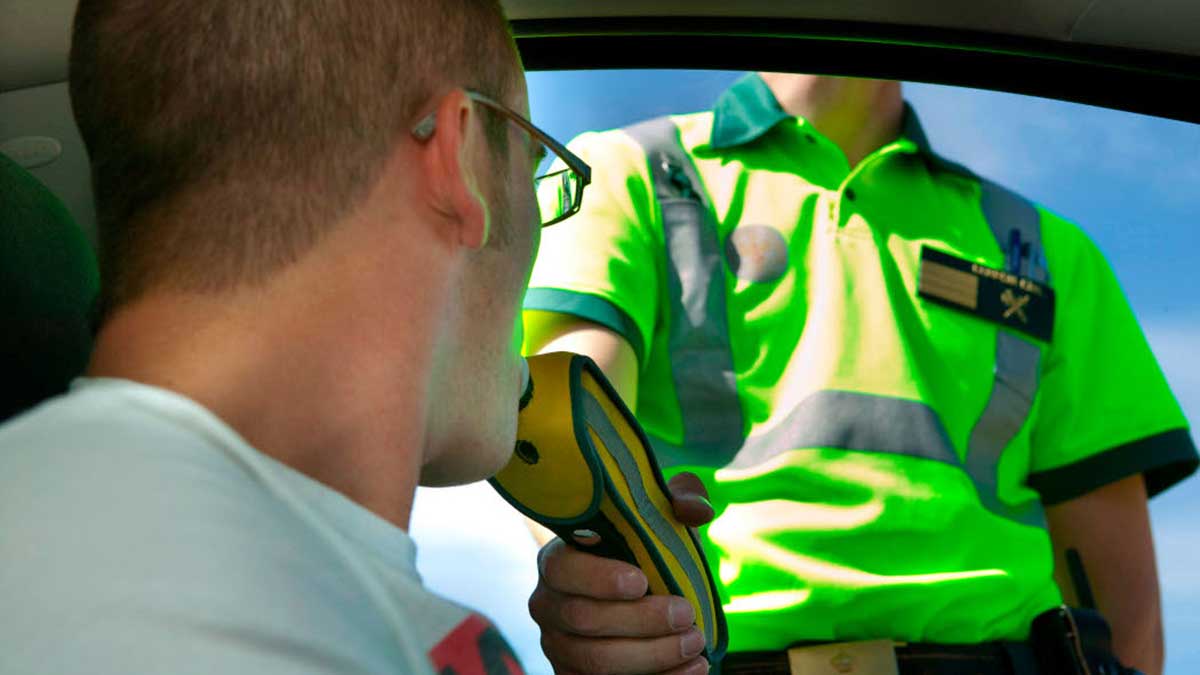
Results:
<point x="527" y="390"/>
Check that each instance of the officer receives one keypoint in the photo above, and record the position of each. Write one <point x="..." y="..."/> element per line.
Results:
<point x="909" y="390"/>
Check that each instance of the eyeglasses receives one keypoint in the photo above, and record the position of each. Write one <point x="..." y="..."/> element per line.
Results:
<point x="559" y="190"/>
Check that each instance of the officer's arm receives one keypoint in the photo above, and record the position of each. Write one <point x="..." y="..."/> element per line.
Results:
<point x="554" y="332"/>
<point x="1110" y="527"/>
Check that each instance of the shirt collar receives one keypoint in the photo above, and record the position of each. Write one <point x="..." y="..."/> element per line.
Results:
<point x="745" y="112"/>
<point x="748" y="110"/>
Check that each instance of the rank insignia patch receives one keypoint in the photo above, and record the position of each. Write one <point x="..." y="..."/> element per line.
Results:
<point x="1001" y="297"/>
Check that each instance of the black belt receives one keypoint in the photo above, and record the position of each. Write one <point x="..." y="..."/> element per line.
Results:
<point x="991" y="658"/>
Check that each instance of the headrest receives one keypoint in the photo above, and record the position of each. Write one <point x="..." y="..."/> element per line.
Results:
<point x="49" y="283"/>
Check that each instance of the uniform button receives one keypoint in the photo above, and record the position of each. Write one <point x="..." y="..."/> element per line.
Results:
<point x="850" y="194"/>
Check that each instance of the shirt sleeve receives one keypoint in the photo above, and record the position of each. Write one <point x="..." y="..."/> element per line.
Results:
<point x="1105" y="410"/>
<point x="603" y="264"/>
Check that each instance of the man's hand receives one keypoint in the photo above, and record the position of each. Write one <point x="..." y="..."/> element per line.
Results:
<point x="595" y="615"/>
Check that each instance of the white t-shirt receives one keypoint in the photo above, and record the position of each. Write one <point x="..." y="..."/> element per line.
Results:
<point x="140" y="534"/>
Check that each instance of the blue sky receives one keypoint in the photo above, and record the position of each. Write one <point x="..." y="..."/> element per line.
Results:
<point x="1132" y="182"/>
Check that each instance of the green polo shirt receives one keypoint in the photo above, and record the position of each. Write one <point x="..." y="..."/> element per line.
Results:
<point x="857" y="492"/>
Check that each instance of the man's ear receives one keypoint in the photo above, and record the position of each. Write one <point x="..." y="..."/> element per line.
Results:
<point x="453" y="158"/>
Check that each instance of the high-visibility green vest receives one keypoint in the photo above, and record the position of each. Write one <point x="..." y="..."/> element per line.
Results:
<point x="878" y="443"/>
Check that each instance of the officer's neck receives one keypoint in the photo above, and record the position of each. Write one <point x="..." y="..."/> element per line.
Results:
<point x="859" y="115"/>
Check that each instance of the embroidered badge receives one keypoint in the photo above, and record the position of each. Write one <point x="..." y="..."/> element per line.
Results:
<point x="1001" y="297"/>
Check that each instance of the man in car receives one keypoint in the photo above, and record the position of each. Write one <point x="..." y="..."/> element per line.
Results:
<point x="317" y="222"/>
<point x="909" y="390"/>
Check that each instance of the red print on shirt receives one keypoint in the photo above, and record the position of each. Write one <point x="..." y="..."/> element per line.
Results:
<point x="475" y="647"/>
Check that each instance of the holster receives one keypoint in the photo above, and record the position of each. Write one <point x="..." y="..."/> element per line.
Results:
<point x="1074" y="641"/>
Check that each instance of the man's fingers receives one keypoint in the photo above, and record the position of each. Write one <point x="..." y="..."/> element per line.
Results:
<point x="697" y="666"/>
<point x="648" y="617"/>
<point x="689" y="500"/>
<point x="595" y="615"/>
<point x="622" y="656"/>
<point x="687" y="482"/>
<point x="573" y="572"/>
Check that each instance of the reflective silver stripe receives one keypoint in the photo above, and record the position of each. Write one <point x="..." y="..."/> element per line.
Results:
<point x="1005" y="413"/>
<point x="698" y="338"/>
<point x="849" y="420"/>
<point x="599" y="423"/>
<point x="1017" y="362"/>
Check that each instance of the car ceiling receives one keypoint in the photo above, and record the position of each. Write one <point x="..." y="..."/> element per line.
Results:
<point x="1131" y="54"/>
<point x="34" y="34"/>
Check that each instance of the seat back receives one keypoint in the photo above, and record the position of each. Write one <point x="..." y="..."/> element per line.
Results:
<point x="49" y="285"/>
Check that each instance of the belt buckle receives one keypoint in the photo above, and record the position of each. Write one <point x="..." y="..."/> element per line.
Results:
<point x="868" y="657"/>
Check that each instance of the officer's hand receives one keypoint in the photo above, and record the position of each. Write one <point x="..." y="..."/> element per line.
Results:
<point x="595" y="615"/>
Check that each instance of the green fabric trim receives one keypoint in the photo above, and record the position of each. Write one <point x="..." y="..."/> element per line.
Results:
<point x="590" y="307"/>
<point x="1164" y="459"/>
<point x="745" y="112"/>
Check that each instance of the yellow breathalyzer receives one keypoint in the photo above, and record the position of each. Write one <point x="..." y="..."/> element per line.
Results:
<point x="583" y="468"/>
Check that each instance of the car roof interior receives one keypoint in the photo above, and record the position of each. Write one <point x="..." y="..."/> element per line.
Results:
<point x="1108" y="52"/>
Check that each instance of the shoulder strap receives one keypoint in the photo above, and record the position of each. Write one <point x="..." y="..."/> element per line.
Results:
<point x="698" y="324"/>
<point x="1016" y="224"/>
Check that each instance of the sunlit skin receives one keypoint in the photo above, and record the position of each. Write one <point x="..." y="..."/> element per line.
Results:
<point x="1110" y="526"/>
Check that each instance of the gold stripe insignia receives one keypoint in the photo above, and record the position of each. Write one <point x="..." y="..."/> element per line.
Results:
<point x="947" y="283"/>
